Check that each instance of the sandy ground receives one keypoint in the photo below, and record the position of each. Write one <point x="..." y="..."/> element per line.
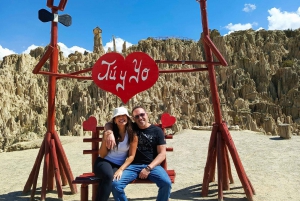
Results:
<point x="271" y="163"/>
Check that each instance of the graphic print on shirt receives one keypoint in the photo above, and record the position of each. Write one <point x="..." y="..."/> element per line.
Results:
<point x="145" y="142"/>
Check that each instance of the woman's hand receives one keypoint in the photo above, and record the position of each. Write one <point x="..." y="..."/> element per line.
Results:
<point x="118" y="174"/>
<point x="109" y="139"/>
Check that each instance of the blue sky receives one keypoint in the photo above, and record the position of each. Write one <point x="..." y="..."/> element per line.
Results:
<point x="134" y="20"/>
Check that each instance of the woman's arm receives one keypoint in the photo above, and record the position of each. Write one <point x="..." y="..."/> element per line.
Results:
<point x="128" y="161"/>
<point x="103" y="150"/>
<point x="110" y="139"/>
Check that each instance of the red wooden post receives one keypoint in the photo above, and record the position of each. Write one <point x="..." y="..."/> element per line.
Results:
<point x="54" y="157"/>
<point x="210" y="162"/>
<point x="46" y="166"/>
<point x="84" y="192"/>
<point x="220" y="136"/>
<point x="224" y="166"/>
<point x="64" y="179"/>
<point x="95" y="146"/>
<point x="56" y="170"/>
<point x="229" y="167"/>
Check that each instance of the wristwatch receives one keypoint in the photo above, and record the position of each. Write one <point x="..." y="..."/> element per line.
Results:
<point x="148" y="168"/>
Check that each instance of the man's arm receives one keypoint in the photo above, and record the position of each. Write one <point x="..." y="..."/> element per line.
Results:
<point x="161" y="150"/>
<point x="110" y="140"/>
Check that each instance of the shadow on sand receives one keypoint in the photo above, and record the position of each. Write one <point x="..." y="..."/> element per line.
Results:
<point x="189" y="193"/>
<point x="194" y="193"/>
<point x="20" y="196"/>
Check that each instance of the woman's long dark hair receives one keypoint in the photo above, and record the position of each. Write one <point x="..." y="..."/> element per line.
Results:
<point x="128" y="128"/>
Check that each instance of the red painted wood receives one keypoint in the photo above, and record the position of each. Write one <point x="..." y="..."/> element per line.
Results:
<point x="225" y="167"/>
<point x="90" y="124"/>
<point x="95" y="146"/>
<point x="213" y="165"/>
<point x="85" y="178"/>
<point x="46" y="165"/>
<point x="210" y="48"/>
<point x="125" y="77"/>
<point x="229" y="166"/>
<point x="167" y="120"/>
<point x="220" y="166"/>
<point x="95" y="139"/>
<point x="56" y="170"/>
<point x="92" y="139"/>
<point x="187" y="62"/>
<point x="213" y="48"/>
<point x="50" y="185"/>
<point x="36" y="167"/>
<point x="237" y="162"/>
<point x="43" y="60"/>
<point x="62" y="4"/>
<point x="209" y="161"/>
<point x="168" y="136"/>
<point x="64" y="179"/>
<point x="66" y="166"/>
<point x="84" y="192"/>
<point x="50" y="3"/>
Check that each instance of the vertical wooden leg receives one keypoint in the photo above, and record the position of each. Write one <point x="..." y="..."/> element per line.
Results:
<point x="220" y="166"/>
<point x="84" y="192"/>
<point x="46" y="166"/>
<point x="66" y="166"/>
<point x="209" y="161"/>
<point x="253" y="191"/>
<point x="56" y="170"/>
<point x="225" y="167"/>
<point x="64" y="179"/>
<point x="213" y="166"/>
<point x="229" y="166"/>
<point x="237" y="162"/>
<point x="36" y="168"/>
<point x="50" y="186"/>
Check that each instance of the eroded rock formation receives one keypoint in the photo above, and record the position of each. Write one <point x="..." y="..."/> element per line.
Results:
<point x="258" y="90"/>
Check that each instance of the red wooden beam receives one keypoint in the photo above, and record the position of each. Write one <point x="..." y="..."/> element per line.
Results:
<point x="43" y="60"/>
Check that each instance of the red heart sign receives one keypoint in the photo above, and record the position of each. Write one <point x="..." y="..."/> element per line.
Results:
<point x="125" y="77"/>
<point x="90" y="124"/>
<point x="167" y="120"/>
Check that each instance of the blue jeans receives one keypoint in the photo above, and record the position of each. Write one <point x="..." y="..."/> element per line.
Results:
<point x="158" y="175"/>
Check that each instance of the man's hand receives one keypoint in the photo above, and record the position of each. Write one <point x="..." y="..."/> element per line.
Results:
<point x="110" y="140"/>
<point x="144" y="174"/>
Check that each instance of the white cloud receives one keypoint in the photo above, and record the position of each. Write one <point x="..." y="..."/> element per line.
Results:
<point x="119" y="44"/>
<point x="31" y="47"/>
<point x="249" y="7"/>
<point x="283" y="20"/>
<point x="4" y="52"/>
<point x="260" y="28"/>
<point x="237" y="27"/>
<point x="66" y="50"/>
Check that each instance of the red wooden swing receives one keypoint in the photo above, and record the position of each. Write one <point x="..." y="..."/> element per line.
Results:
<point x="56" y="163"/>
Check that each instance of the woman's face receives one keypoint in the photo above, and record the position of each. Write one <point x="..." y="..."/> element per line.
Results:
<point x="121" y="120"/>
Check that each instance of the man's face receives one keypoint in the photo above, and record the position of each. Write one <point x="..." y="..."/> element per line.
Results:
<point x="140" y="118"/>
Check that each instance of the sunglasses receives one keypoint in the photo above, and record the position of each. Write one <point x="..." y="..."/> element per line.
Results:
<point x="139" y="115"/>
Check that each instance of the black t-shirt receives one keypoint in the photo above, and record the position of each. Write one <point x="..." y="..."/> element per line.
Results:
<point x="148" y="139"/>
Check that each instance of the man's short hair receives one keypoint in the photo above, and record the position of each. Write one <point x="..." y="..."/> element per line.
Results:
<point x="136" y="107"/>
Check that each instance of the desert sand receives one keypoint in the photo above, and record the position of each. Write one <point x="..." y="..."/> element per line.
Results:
<point x="271" y="163"/>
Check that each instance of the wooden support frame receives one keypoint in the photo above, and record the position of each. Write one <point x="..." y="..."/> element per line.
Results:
<point x="55" y="161"/>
